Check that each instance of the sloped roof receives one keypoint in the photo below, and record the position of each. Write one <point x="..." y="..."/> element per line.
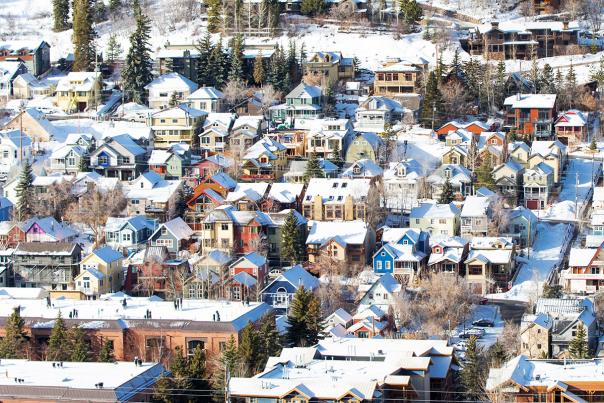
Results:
<point x="344" y="232"/>
<point x="206" y="93"/>
<point x="285" y="192"/>
<point x="107" y="254"/>
<point x="172" y="81"/>
<point x="177" y="227"/>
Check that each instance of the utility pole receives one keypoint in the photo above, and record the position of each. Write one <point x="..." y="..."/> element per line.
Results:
<point x="576" y="193"/>
<point x="21" y="112"/>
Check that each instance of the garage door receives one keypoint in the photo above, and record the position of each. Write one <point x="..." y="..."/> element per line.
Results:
<point x="532" y="204"/>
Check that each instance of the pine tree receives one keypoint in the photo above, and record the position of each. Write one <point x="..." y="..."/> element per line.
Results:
<point x="228" y="362"/>
<point x="596" y="73"/>
<point x="173" y="101"/>
<point x="500" y="80"/>
<point x="99" y="11"/>
<point x="440" y="69"/>
<point x="114" y="49"/>
<point x="433" y="103"/>
<point x="197" y="370"/>
<point x="291" y="245"/>
<point x="137" y="71"/>
<point x="78" y="348"/>
<point x="472" y="372"/>
<point x="115" y="6"/>
<point x="578" y="347"/>
<point x="312" y="7"/>
<point x="214" y="18"/>
<point x="106" y="352"/>
<point x="181" y="380"/>
<point x="293" y="66"/>
<point x="60" y="11"/>
<point x="12" y="345"/>
<point x="249" y="350"/>
<point x="559" y="82"/>
<point x="218" y="65"/>
<point x="258" y="74"/>
<point x="535" y="76"/>
<point x="447" y="195"/>
<point x="313" y="168"/>
<point x="551" y="291"/>
<point x="547" y="80"/>
<point x="163" y="390"/>
<point x="593" y="146"/>
<point x="59" y="348"/>
<point x="304" y="319"/>
<point x="236" y="59"/>
<point x="412" y="12"/>
<point x="204" y="74"/>
<point x="83" y="36"/>
<point x="571" y="86"/>
<point x="83" y="164"/>
<point x="269" y="339"/>
<point x="484" y="177"/>
<point x="456" y="65"/>
<point x="25" y="193"/>
<point x="497" y="355"/>
<point x="336" y="156"/>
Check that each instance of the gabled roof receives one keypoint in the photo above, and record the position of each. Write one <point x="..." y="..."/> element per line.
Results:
<point x="581" y="257"/>
<point x="254" y="191"/>
<point x="78" y="81"/>
<point x="475" y="206"/>
<point x="571" y="118"/>
<point x="51" y="227"/>
<point x="297" y="276"/>
<point x="137" y="222"/>
<point x="303" y="90"/>
<point x="107" y="254"/>
<point x="368" y="169"/>
<point x="285" y="192"/>
<point x="254" y="258"/>
<point x="126" y="141"/>
<point x="224" y="180"/>
<point x="427" y="210"/>
<point x="344" y="232"/>
<point x="180" y="111"/>
<point x="402" y="253"/>
<point x="333" y="191"/>
<point x="527" y="101"/>
<point x="177" y="227"/>
<point x="206" y="93"/>
<point x="172" y="82"/>
<point x="394" y="235"/>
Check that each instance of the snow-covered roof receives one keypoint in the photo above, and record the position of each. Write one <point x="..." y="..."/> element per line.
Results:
<point x="107" y="254"/>
<point x="410" y="169"/>
<point x="547" y="147"/>
<point x="179" y="111"/>
<point x="177" y="227"/>
<point x="172" y="82"/>
<point x="491" y="242"/>
<point x="571" y="118"/>
<point x="475" y="206"/>
<point x="298" y="276"/>
<point x="51" y="227"/>
<point x="8" y="70"/>
<point x="304" y="90"/>
<point x="434" y="210"/>
<point x="263" y="147"/>
<point x="223" y="180"/>
<point x="14" y="138"/>
<point x="252" y="257"/>
<point x="138" y="222"/>
<point x="298" y="168"/>
<point x="22" y="293"/>
<point x="285" y="192"/>
<point x="334" y="191"/>
<point x="364" y="168"/>
<point x="403" y="253"/>
<point x="253" y="191"/>
<point x="78" y="81"/>
<point x="528" y="101"/>
<point x="343" y="232"/>
<point x="126" y="141"/>
<point x="393" y="235"/>
<point x="206" y="93"/>
<point x="563" y="306"/>
<point x="159" y="157"/>
<point x="581" y="257"/>
<point x="522" y="26"/>
<point x="458" y="174"/>
<point x="376" y="102"/>
<point x="493" y="256"/>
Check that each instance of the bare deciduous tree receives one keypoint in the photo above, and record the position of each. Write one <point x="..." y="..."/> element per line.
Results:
<point x="56" y="201"/>
<point x="499" y="217"/>
<point x="453" y="95"/>
<point x="234" y="92"/>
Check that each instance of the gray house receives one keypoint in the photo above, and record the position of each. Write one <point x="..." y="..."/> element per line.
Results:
<point x="126" y="232"/>
<point x="522" y="226"/>
<point x="174" y="235"/>
<point x="35" y="55"/>
<point x="50" y="265"/>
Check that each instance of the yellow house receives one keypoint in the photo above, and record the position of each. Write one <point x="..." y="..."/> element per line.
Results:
<point x="397" y="77"/>
<point x="330" y="65"/>
<point x="100" y="272"/>
<point x="180" y="124"/>
<point x="456" y="155"/>
<point x="79" y="91"/>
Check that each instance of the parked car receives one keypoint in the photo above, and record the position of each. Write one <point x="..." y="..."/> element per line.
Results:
<point x="475" y="331"/>
<point x="483" y="323"/>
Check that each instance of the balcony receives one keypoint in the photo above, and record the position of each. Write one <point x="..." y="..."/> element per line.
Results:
<point x="254" y="177"/>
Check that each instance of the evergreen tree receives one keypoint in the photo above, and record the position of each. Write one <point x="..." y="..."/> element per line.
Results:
<point x="137" y="71"/>
<point x="484" y="176"/>
<point x="163" y="390"/>
<point x="59" y="348"/>
<point x="472" y="372"/>
<point x="551" y="291"/>
<point x="596" y="73"/>
<point x="304" y="319"/>
<point x="433" y="103"/>
<point x="204" y="72"/>
<point x="218" y="63"/>
<point x="229" y="361"/>
<point x="12" y="345"/>
<point x="99" y="11"/>
<point x="214" y="18"/>
<point x="106" y="352"/>
<point x="83" y="164"/>
<point x="293" y="66"/>
<point x="25" y="193"/>
<point x="291" y="245"/>
<point x="181" y="381"/>
<point x="456" y="65"/>
<point x="197" y="370"/>
<point x="313" y="168"/>
<point x="593" y="146"/>
<point x="83" y="36"/>
<point x="447" y="195"/>
<point x="547" y="80"/>
<point x="578" y="347"/>
<point x="559" y="82"/>
<point x="441" y="67"/>
<point x="173" y="101"/>
<point x="336" y="156"/>
<point x="571" y="77"/>
<point x="249" y="350"/>
<point x="500" y="80"/>
<point x="258" y="69"/>
<point x="115" y="6"/>
<point x="535" y="76"/>
<point x="411" y="11"/>
<point x="60" y="11"/>
<point x="269" y="339"/>
<point x="497" y="355"/>
<point x="114" y="49"/>
<point x="78" y="348"/>
<point x="312" y="7"/>
<point x="236" y="59"/>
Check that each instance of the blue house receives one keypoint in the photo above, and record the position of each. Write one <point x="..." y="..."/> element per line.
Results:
<point x="130" y="231"/>
<point x="6" y="209"/>
<point x="403" y="253"/>
<point x="281" y="290"/>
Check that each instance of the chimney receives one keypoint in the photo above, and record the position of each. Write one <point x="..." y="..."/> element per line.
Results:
<point x="494" y="24"/>
<point x="565" y="25"/>
<point x="518" y="96"/>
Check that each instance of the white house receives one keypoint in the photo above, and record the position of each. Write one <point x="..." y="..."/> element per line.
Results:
<point x="164" y="87"/>
<point x="11" y="142"/>
<point x="207" y="99"/>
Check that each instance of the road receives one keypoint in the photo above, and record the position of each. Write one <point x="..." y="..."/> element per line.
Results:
<point x="511" y="310"/>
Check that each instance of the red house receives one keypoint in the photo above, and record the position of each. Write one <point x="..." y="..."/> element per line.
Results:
<point x="247" y="273"/>
<point x="211" y="165"/>
<point x="531" y="114"/>
<point x="475" y="127"/>
<point x="11" y="234"/>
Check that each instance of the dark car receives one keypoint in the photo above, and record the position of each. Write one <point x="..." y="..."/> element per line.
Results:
<point x="483" y="323"/>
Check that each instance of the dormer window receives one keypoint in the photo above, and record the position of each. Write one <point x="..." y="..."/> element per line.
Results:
<point x="447" y="173"/>
<point x="335" y="185"/>
<point x="344" y="184"/>
<point x="356" y="170"/>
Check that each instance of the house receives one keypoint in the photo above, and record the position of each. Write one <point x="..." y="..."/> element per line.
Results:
<point x="297" y="170"/>
<point x="552" y="153"/>
<point x="93" y="181"/>
<point x="369" y="322"/>
<point x="293" y="140"/>
<point x="171" y="163"/>
<point x="119" y="157"/>
<point x="208" y="167"/>
<point x="40" y="185"/>
<point x="6" y="266"/>
<point x="476" y="127"/>
<point x="167" y="88"/>
<point x="121" y="381"/>
<point x="249" y="271"/>
<point x="52" y="265"/>
<point x="338" y="318"/>
<point x="265" y="160"/>
<point x="436" y="219"/>
<point x="101" y="272"/>
<point x="521" y="225"/>
<point x="179" y="124"/>
<point x="47" y="229"/>
<point x="458" y="176"/>
<point x="283" y="196"/>
<point x="6" y="209"/>
<point x="208" y="195"/>
<point x="11" y="234"/>
<point x="126" y="232"/>
<point x="531" y="114"/>
<point x="383" y="293"/>
<point x="136" y="326"/>
<point x="209" y="273"/>
<point x="336" y="199"/>
<point x="182" y="59"/>
<point x="280" y="292"/>
<point x="68" y="159"/>
<point x="519" y="152"/>
<point x="34" y="54"/>
<point x="523" y="379"/>
<point x="330" y="372"/>
<point x="364" y="146"/>
<point x="404" y="254"/>
<point x="448" y="254"/>
<point x="207" y="99"/>
<point x="458" y="154"/>
<point x="585" y="273"/>
<point x="245" y="131"/>
<point x="346" y="242"/>
<point x="402" y="183"/>
<point x="535" y="335"/>
<point x="275" y="222"/>
<point x="9" y="71"/>
<point x="508" y="181"/>
<point x="538" y="182"/>
<point x="248" y="196"/>
<point x="364" y="168"/>
<point x="329" y="136"/>
<point x="329" y="66"/>
<point x="34" y="124"/>
<point x="14" y="148"/>
<point x="379" y="113"/>
<point x="490" y="264"/>
<point x="79" y="91"/>
<point x="396" y="77"/>
<point x="475" y="216"/>
<point x="174" y="235"/>
<point x="150" y="194"/>
<point x="303" y="102"/>
<point x="27" y="86"/>
<point x="571" y="128"/>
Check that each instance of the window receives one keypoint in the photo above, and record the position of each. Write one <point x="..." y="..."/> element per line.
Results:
<point x="224" y="227"/>
<point x="103" y="160"/>
<point x="379" y="265"/>
<point x="387" y="266"/>
<point x="192" y="345"/>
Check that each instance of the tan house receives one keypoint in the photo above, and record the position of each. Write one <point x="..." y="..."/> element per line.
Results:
<point x="79" y="91"/>
<point x="535" y="335"/>
<point x="349" y="242"/>
<point x="520" y="152"/>
<point x="551" y="153"/>
<point x="457" y="155"/>
<point x="330" y="65"/>
<point x="179" y="124"/>
<point x="437" y="219"/>
<point x="100" y="272"/>
<point x="27" y="86"/>
<point x="490" y="264"/>
<point x="398" y="77"/>
<point x="329" y="199"/>
<point x="35" y="125"/>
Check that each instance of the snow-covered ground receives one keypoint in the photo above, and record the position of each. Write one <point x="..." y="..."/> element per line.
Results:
<point x="490" y="312"/>
<point x="422" y="147"/>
